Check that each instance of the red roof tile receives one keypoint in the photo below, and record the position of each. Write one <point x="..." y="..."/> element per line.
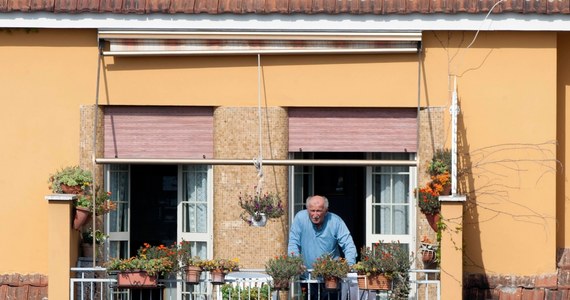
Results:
<point x="375" y="7"/>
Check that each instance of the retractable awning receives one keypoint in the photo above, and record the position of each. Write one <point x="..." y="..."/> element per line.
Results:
<point x="133" y="43"/>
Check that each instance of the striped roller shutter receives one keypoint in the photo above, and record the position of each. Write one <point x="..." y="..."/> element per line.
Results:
<point x="352" y="130"/>
<point x="158" y="132"/>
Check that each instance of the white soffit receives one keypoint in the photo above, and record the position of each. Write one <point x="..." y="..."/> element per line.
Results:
<point x="297" y="22"/>
<point x="127" y="43"/>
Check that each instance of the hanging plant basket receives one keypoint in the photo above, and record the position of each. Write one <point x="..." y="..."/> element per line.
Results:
<point x="433" y="219"/>
<point x="428" y="255"/>
<point x="259" y="220"/>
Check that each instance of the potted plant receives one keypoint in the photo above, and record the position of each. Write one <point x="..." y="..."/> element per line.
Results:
<point x="381" y="264"/>
<point x="428" y="196"/>
<point x="331" y="270"/>
<point x="429" y="252"/>
<point x="440" y="162"/>
<point x="191" y="265"/>
<point x="259" y="207"/>
<point x="87" y="241"/>
<point x="142" y="270"/>
<point x="428" y="200"/>
<point x="84" y="206"/>
<point x="219" y="267"/>
<point x="70" y="180"/>
<point x="283" y="268"/>
<point x="103" y="202"/>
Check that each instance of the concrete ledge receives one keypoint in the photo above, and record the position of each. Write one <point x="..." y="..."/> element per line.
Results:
<point x="453" y="198"/>
<point x="61" y="197"/>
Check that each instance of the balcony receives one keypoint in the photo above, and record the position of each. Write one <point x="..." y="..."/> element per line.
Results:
<point x="95" y="283"/>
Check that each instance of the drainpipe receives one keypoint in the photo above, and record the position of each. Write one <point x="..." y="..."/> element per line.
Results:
<point x="94" y="151"/>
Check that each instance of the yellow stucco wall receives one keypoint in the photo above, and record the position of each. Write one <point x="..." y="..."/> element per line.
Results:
<point x="507" y="91"/>
<point x="328" y="80"/>
<point x="45" y="76"/>
<point x="507" y="133"/>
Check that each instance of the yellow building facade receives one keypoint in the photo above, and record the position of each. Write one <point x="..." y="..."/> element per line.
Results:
<point x="512" y="87"/>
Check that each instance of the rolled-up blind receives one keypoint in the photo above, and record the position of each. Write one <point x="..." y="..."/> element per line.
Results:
<point x="352" y="130"/>
<point x="158" y="132"/>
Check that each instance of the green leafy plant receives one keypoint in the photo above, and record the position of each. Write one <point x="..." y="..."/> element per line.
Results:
<point x="72" y="176"/>
<point x="230" y="292"/>
<point x="327" y="266"/>
<point x="87" y="236"/>
<point x="440" y="162"/>
<point x="284" y="267"/>
<point x="390" y="259"/>
<point x="155" y="260"/>
<point x="103" y="202"/>
<point x="383" y="258"/>
<point x="260" y="203"/>
<point x="221" y="264"/>
<point x="185" y="256"/>
<point x="84" y="201"/>
<point x="428" y="195"/>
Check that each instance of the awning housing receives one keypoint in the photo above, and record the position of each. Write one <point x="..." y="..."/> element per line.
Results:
<point x="132" y="43"/>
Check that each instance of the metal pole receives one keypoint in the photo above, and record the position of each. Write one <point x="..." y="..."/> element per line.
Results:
<point x="454" y="111"/>
<point x="271" y="162"/>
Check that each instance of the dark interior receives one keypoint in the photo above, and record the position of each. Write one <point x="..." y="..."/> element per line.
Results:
<point x="345" y="187"/>
<point x="153" y="205"/>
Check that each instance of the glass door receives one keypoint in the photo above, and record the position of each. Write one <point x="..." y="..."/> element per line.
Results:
<point x="117" y="223"/>
<point x="389" y="202"/>
<point x="195" y="224"/>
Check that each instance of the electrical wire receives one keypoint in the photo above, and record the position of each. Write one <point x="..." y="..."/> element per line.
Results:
<point x="258" y="163"/>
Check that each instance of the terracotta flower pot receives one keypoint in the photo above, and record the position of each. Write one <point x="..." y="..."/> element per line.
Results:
<point x="81" y="217"/>
<point x="76" y="189"/>
<point x="87" y="250"/>
<point x="331" y="283"/>
<point x="137" y="280"/>
<point x="377" y="282"/>
<point x="218" y="277"/>
<point x="433" y="219"/>
<point x="428" y="256"/>
<point x="193" y="274"/>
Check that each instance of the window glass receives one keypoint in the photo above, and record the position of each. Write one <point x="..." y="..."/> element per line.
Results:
<point x="119" y="188"/>
<point x="391" y="198"/>
<point x="195" y="198"/>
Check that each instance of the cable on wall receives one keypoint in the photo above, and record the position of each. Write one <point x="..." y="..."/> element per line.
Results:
<point x="258" y="162"/>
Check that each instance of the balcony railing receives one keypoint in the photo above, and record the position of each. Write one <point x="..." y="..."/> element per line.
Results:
<point x="97" y="284"/>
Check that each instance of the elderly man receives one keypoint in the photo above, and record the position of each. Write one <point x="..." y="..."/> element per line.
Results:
<point x="315" y="232"/>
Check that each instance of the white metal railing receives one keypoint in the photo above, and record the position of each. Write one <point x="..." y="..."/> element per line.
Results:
<point x="426" y="284"/>
<point x="97" y="284"/>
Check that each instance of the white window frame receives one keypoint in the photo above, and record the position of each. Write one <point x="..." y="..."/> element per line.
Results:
<point x="118" y="236"/>
<point x="208" y="236"/>
<point x="391" y="238"/>
<point x="203" y="288"/>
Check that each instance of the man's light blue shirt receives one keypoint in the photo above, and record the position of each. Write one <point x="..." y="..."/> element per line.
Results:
<point x="305" y="239"/>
